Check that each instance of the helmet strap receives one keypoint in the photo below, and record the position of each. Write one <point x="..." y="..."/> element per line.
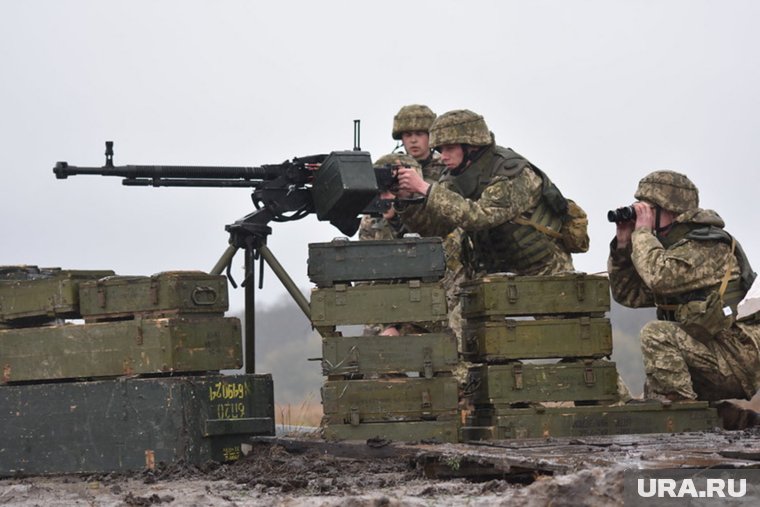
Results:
<point x="469" y="156"/>
<point x="657" y="229"/>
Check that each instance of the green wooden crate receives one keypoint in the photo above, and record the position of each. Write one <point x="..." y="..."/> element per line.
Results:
<point x="537" y="339"/>
<point x="543" y="422"/>
<point x="32" y="295"/>
<point x="341" y="261"/>
<point x="426" y="354"/>
<point x="131" y="423"/>
<point x="406" y="431"/>
<point x="511" y="295"/>
<point x="167" y="293"/>
<point x="411" y="301"/>
<point x="523" y="382"/>
<point x="120" y="348"/>
<point x="389" y="399"/>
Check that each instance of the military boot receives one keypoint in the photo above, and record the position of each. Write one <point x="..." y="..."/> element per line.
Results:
<point x="735" y="417"/>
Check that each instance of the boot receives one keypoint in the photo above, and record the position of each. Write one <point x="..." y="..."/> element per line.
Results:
<point x="734" y="417"/>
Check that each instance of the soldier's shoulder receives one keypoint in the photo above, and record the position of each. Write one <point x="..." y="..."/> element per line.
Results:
<point x="508" y="162"/>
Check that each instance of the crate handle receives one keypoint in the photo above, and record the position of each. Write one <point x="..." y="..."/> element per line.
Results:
<point x="204" y="296"/>
<point x="512" y="293"/>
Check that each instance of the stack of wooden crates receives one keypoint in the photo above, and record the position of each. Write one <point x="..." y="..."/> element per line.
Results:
<point x="558" y="324"/>
<point x="390" y="387"/>
<point x="137" y="383"/>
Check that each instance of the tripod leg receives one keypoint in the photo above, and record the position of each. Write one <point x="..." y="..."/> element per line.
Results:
<point x="224" y="260"/>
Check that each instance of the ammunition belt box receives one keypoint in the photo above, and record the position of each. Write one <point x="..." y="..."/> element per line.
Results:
<point x="131" y="423"/>
<point x="426" y="354"/>
<point x="344" y="185"/>
<point x="406" y="431"/>
<point x="168" y="293"/>
<point x="389" y="399"/>
<point x="31" y="296"/>
<point x="411" y="301"/>
<point x="120" y="348"/>
<point x="543" y="422"/>
<point x="520" y="383"/>
<point x="509" y="295"/>
<point x="511" y="339"/>
<point x="342" y="261"/>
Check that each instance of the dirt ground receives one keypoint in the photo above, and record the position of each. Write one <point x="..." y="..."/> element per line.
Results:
<point x="272" y="476"/>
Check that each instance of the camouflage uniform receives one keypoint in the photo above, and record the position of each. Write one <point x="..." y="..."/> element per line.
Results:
<point x="680" y="268"/>
<point x="487" y="199"/>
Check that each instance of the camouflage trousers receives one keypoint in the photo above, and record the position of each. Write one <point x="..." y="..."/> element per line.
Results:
<point x="727" y="366"/>
<point x="451" y="282"/>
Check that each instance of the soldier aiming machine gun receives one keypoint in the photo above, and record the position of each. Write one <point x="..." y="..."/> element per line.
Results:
<point x="337" y="187"/>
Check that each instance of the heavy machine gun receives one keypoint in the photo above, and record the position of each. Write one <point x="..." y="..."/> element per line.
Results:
<point x="336" y="187"/>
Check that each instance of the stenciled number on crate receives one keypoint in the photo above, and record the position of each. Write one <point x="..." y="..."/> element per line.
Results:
<point x="230" y="411"/>
<point x="226" y="391"/>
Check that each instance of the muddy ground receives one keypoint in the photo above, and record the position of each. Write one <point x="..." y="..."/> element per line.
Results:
<point x="273" y="476"/>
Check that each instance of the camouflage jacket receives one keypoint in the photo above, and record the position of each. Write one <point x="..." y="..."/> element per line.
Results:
<point x="512" y="189"/>
<point x="373" y="228"/>
<point x="647" y="270"/>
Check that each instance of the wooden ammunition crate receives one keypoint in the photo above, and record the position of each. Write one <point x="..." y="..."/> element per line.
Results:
<point x="536" y="339"/>
<point x="498" y="296"/>
<point x="543" y="422"/>
<point x="406" y="431"/>
<point x="411" y="301"/>
<point x="167" y="293"/>
<point x="426" y="354"/>
<point x="341" y="261"/>
<point x="129" y="347"/>
<point x="389" y="399"/>
<point x="131" y="423"/>
<point x="32" y="296"/>
<point x="523" y="382"/>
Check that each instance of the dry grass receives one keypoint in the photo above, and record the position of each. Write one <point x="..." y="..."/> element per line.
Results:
<point x="307" y="413"/>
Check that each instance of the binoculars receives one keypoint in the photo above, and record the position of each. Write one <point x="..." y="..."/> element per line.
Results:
<point x="624" y="214"/>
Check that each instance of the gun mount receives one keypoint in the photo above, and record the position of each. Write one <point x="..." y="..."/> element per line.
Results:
<point x="336" y="187"/>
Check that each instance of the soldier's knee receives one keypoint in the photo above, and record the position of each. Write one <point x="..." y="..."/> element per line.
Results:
<point x="658" y="333"/>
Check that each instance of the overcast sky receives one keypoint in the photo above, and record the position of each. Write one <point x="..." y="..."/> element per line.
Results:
<point x="596" y="93"/>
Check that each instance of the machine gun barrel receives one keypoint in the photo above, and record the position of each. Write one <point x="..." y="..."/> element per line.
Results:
<point x="298" y="172"/>
<point x="176" y="175"/>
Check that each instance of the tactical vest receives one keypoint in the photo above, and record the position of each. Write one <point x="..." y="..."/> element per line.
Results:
<point x="516" y="247"/>
<point x="735" y="290"/>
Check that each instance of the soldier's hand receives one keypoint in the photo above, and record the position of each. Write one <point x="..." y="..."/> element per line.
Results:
<point x="645" y="216"/>
<point x="390" y="331"/>
<point x="623" y="233"/>
<point x="410" y="182"/>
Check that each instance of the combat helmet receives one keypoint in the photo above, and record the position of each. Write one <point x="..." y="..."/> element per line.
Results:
<point x="410" y="118"/>
<point x="670" y="190"/>
<point x="461" y="126"/>
<point x="403" y="158"/>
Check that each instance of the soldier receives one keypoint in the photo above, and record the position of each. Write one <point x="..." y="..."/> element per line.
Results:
<point x="512" y="214"/>
<point x="411" y="126"/>
<point x="677" y="257"/>
<point x="388" y="226"/>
